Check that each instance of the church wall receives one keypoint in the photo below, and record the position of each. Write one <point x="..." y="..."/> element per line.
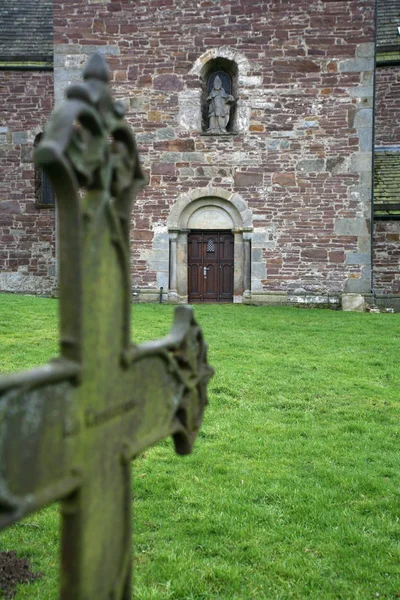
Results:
<point x="387" y="123"/>
<point x="27" y="245"/>
<point x="387" y="257"/>
<point x="301" y="159"/>
<point x="386" y="243"/>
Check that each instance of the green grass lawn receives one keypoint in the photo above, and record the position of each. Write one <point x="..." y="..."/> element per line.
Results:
<point x="293" y="487"/>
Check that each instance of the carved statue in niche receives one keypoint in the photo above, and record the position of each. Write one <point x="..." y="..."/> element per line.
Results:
<point x="219" y="108"/>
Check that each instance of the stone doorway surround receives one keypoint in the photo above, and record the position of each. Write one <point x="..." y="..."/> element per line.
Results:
<point x="209" y="208"/>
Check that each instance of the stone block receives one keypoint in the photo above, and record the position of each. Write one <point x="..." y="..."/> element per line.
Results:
<point x="259" y="238"/>
<point x="284" y="179"/>
<point x="27" y="154"/>
<point x="10" y="207"/>
<point x="193" y="157"/>
<point x="163" y="169"/>
<point x="365" y="50"/>
<point x="363" y="118"/>
<point x="250" y="80"/>
<point x="357" y="285"/>
<point x="171" y="157"/>
<point x="311" y="165"/>
<point x="258" y="270"/>
<point x="139" y="104"/>
<point x="336" y="165"/>
<point x="353" y="302"/>
<point x="350" y="227"/>
<point x="304" y="124"/>
<point x="314" y="254"/>
<point x="365" y="137"/>
<point x="20" y="137"/>
<point x="356" y="65"/>
<point x="361" y="161"/>
<point x="260" y="297"/>
<point x="248" y="179"/>
<point x="186" y="172"/>
<point x="362" y="91"/>
<point x="162" y="280"/>
<point x="337" y="256"/>
<point x="168" y="82"/>
<point x="296" y="65"/>
<point x="257" y="255"/>
<point x="358" y="258"/>
<point x="165" y="133"/>
<point x="22" y="283"/>
<point x="175" y="145"/>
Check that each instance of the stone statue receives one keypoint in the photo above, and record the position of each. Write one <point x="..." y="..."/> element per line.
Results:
<point x="219" y="107"/>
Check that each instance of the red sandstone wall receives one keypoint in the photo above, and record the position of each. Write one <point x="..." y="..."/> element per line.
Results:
<point x="292" y="166"/>
<point x="26" y="232"/>
<point x="387" y="123"/>
<point x="386" y="254"/>
<point x="387" y="257"/>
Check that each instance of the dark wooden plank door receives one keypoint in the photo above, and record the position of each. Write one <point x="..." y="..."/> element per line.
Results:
<point x="210" y="266"/>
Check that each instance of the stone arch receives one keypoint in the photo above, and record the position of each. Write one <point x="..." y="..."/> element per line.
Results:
<point x="224" y="52"/>
<point x="190" y="100"/>
<point x="209" y="208"/>
<point x="231" y="202"/>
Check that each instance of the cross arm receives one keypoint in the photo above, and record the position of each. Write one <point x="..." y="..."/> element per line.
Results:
<point x="36" y="415"/>
<point x="179" y="363"/>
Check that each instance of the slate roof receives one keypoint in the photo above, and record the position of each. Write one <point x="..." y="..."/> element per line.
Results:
<point x="388" y="21"/>
<point x="387" y="178"/>
<point x="26" y="31"/>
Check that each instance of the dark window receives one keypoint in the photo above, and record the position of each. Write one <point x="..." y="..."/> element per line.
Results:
<point x="44" y="191"/>
<point x="210" y="245"/>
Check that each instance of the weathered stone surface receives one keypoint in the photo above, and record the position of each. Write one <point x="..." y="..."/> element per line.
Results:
<point x="163" y="169"/>
<point x="311" y="165"/>
<point x="387" y="124"/>
<point x="363" y="118"/>
<point x="302" y="119"/>
<point x="358" y="258"/>
<point x="336" y="165"/>
<point x="23" y="283"/>
<point x="178" y="145"/>
<point x="316" y="254"/>
<point x="337" y="256"/>
<point x="296" y="65"/>
<point x="248" y="179"/>
<point x="284" y="179"/>
<point x="10" y="207"/>
<point x="353" y="302"/>
<point x="366" y="50"/>
<point x="352" y="227"/>
<point x="361" y="161"/>
<point x="20" y="137"/>
<point x="356" y="64"/>
<point x="168" y="82"/>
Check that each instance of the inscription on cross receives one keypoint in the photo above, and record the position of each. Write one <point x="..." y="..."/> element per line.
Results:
<point x="69" y="429"/>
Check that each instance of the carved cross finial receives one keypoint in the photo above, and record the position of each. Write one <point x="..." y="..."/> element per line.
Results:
<point x="69" y="429"/>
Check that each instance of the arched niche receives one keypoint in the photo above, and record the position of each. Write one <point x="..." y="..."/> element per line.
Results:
<point x="227" y="71"/>
<point x="209" y="208"/>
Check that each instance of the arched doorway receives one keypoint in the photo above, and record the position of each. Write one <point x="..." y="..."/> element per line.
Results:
<point x="210" y="244"/>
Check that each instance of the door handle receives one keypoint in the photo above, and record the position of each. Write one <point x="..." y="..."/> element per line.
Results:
<point x="205" y="269"/>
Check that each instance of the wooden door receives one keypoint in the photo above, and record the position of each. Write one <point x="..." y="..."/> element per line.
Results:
<point x="210" y="266"/>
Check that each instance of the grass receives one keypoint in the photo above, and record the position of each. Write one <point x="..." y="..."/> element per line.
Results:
<point x="293" y="488"/>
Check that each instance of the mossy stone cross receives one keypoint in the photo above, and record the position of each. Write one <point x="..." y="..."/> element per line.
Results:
<point x="69" y="429"/>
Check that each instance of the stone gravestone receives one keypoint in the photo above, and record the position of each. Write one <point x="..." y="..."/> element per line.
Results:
<point x="69" y="430"/>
